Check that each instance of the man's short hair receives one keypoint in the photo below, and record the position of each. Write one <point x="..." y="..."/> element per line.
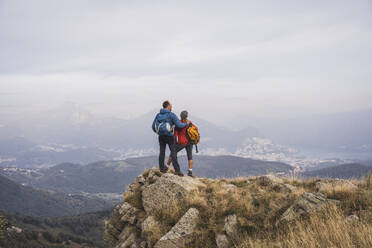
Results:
<point x="166" y="104"/>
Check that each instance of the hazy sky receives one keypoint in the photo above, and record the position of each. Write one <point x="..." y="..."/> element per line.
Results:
<point x="215" y="58"/>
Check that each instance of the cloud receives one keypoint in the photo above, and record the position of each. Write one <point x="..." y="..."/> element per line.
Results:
<point x="124" y="53"/>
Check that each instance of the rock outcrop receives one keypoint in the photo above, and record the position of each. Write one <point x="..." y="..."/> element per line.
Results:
<point x="269" y="180"/>
<point x="307" y="203"/>
<point x="168" y="211"/>
<point x="231" y="225"/>
<point x="133" y="222"/>
<point x="182" y="233"/>
<point x="222" y="241"/>
<point x="275" y="183"/>
<point x="168" y="189"/>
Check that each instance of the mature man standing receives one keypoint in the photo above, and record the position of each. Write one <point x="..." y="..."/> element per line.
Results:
<point x="164" y="124"/>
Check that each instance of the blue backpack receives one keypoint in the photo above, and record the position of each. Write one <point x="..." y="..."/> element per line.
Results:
<point x="162" y="125"/>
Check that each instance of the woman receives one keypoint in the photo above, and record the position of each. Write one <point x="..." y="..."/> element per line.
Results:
<point x="182" y="142"/>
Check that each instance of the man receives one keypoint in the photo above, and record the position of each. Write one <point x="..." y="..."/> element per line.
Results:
<point x="163" y="125"/>
<point x="183" y="142"/>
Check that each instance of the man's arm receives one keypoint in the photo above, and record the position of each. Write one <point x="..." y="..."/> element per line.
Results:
<point x="177" y="121"/>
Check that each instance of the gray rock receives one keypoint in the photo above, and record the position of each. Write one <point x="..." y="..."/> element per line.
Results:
<point x="231" y="188"/>
<point x="231" y="226"/>
<point x="149" y="224"/>
<point x="268" y="180"/>
<point x="128" y="213"/>
<point x="352" y="218"/>
<point x="129" y="241"/>
<point x="143" y="244"/>
<point x="167" y="189"/>
<point x="182" y="233"/>
<point x="286" y="188"/>
<point x="111" y="234"/>
<point x="222" y="241"/>
<point x="121" y="225"/>
<point x="152" y="176"/>
<point x="305" y="204"/>
<point x="125" y="233"/>
<point x="140" y="180"/>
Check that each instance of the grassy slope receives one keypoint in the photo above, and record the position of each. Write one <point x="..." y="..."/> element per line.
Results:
<point x="29" y="201"/>
<point x="259" y="208"/>
<point x="73" y="231"/>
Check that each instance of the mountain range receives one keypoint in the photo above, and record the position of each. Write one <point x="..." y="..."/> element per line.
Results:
<point x="71" y="134"/>
<point x="345" y="171"/>
<point x="108" y="179"/>
<point x="342" y="134"/>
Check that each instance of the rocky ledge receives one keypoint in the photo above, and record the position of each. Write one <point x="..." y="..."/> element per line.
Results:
<point x="165" y="210"/>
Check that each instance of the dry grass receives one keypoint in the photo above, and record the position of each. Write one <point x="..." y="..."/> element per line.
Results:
<point x="134" y="197"/>
<point x="324" y="229"/>
<point x="367" y="182"/>
<point x="328" y="228"/>
<point x="257" y="208"/>
<point x="260" y="207"/>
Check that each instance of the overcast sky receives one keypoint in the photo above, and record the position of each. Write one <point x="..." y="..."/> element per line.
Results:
<point x="215" y="58"/>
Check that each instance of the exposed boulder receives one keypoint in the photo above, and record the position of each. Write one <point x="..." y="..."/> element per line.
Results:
<point x="285" y="188"/>
<point x="305" y="204"/>
<point x="268" y="180"/>
<point x="149" y="224"/>
<point x="143" y="219"/>
<point x="352" y="218"/>
<point x="222" y="241"/>
<point x="167" y="189"/>
<point x="121" y="229"/>
<point x="129" y="242"/>
<point x="182" y="233"/>
<point x="132" y="223"/>
<point x="128" y="213"/>
<point x="231" y="225"/>
<point x="231" y="188"/>
<point x="275" y="183"/>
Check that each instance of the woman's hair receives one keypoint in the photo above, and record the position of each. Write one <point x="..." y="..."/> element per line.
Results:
<point x="184" y="115"/>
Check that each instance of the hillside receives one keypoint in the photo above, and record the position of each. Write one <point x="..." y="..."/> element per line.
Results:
<point x="74" y="231"/>
<point x="164" y="210"/>
<point x="346" y="171"/>
<point x="26" y="200"/>
<point x="108" y="179"/>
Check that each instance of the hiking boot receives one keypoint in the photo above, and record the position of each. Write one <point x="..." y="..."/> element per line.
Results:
<point x="190" y="174"/>
<point x="164" y="170"/>
<point x="178" y="173"/>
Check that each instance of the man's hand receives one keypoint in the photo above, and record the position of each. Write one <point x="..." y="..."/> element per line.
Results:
<point x="188" y="122"/>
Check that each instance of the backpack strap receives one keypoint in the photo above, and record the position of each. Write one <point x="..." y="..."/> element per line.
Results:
<point x="196" y="148"/>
